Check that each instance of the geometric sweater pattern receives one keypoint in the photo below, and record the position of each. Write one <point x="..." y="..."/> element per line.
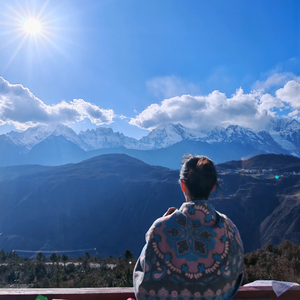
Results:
<point x="195" y="253"/>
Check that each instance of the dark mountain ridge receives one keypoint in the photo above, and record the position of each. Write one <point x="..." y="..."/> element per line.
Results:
<point x="109" y="202"/>
<point x="15" y="171"/>
<point x="57" y="150"/>
<point x="98" y="202"/>
<point x="279" y="162"/>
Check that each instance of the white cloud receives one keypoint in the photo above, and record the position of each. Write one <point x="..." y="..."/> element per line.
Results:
<point x="268" y="102"/>
<point x="206" y="112"/>
<point x="170" y="86"/>
<point x="294" y="114"/>
<point x="19" y="107"/>
<point x="290" y="94"/>
<point x="276" y="79"/>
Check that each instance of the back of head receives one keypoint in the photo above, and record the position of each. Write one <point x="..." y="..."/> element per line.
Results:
<point x="199" y="175"/>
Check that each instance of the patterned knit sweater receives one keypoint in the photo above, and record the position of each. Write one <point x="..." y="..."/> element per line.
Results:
<point x="195" y="253"/>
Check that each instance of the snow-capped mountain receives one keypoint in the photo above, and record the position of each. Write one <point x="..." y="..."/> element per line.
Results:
<point x="262" y="140"/>
<point x="34" y="135"/>
<point x="277" y="125"/>
<point x="280" y="136"/>
<point x="168" y="134"/>
<point x="102" y="137"/>
<point x="286" y="133"/>
<point x="64" y="145"/>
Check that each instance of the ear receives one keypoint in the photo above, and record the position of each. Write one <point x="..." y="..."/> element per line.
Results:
<point x="182" y="185"/>
<point x="214" y="187"/>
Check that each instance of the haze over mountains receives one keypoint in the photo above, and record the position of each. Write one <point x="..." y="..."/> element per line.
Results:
<point x="165" y="145"/>
<point x="108" y="202"/>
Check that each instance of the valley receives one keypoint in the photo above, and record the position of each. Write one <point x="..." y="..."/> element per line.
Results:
<point x="108" y="202"/>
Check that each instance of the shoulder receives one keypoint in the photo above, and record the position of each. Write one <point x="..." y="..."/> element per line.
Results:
<point x="162" y="223"/>
<point x="230" y="226"/>
<point x="223" y="218"/>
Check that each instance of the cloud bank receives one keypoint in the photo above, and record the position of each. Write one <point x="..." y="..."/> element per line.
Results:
<point x="252" y="110"/>
<point x="290" y="94"/>
<point x="19" y="107"/>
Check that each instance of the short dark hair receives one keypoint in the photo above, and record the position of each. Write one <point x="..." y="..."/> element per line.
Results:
<point x="199" y="175"/>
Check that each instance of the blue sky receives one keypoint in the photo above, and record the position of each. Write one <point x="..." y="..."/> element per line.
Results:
<point x="132" y="64"/>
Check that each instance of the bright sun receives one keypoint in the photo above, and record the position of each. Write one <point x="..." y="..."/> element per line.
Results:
<point x="32" y="26"/>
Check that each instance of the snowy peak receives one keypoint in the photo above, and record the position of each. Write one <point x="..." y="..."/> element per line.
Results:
<point x="262" y="141"/>
<point x="168" y="134"/>
<point x="230" y="134"/>
<point x="98" y="130"/>
<point x="103" y="137"/>
<point x="31" y="136"/>
<point x="286" y="133"/>
<point x="34" y="135"/>
<point x="282" y="136"/>
<point x="283" y="125"/>
<point x="70" y="135"/>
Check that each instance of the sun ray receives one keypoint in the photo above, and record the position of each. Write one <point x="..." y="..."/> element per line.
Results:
<point x="16" y="52"/>
<point x="37" y="45"/>
<point x="36" y="26"/>
<point x="11" y="23"/>
<point x="17" y="14"/>
<point x="12" y="40"/>
<point x="10" y="32"/>
<point x="39" y="15"/>
<point x="30" y="11"/>
<point x="50" y="13"/>
<point x="53" y="44"/>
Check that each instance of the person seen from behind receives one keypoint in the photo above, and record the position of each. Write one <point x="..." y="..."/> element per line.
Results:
<point x="193" y="252"/>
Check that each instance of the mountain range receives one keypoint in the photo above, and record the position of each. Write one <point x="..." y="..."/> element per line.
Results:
<point x="165" y="145"/>
<point x="108" y="202"/>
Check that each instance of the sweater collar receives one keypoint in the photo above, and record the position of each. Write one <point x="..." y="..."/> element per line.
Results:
<point x="204" y="205"/>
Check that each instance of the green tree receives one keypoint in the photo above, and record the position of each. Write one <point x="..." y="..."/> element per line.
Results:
<point x="127" y="278"/>
<point x="86" y="261"/>
<point x="2" y="255"/>
<point x="40" y="257"/>
<point x="87" y="255"/>
<point x="128" y="254"/>
<point x="53" y="258"/>
<point x="273" y="263"/>
<point x="40" y="271"/>
<point x="64" y="259"/>
<point x="70" y="268"/>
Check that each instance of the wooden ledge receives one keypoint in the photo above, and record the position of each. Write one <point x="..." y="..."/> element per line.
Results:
<point x="266" y="292"/>
<point x="249" y="292"/>
<point x="68" y="294"/>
